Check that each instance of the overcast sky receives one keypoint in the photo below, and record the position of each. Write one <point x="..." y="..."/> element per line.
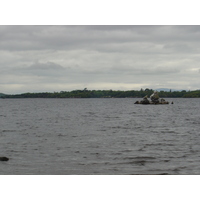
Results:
<point x="65" y="58"/>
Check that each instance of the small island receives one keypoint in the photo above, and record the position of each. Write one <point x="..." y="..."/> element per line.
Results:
<point x="155" y="99"/>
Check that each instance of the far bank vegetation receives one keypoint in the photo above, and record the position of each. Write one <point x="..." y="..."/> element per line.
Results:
<point x="107" y="94"/>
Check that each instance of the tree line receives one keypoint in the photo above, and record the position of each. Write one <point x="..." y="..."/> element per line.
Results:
<point x="107" y="94"/>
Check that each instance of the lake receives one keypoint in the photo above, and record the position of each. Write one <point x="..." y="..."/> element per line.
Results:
<point x="99" y="137"/>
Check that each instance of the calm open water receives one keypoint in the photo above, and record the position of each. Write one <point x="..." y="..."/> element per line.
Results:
<point x="99" y="136"/>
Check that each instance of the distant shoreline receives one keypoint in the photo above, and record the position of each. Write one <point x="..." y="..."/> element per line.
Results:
<point x="106" y="94"/>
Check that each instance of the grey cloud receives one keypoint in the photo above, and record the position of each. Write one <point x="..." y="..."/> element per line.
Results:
<point x="89" y="37"/>
<point x="99" y="56"/>
<point x="48" y="70"/>
<point x="45" y="66"/>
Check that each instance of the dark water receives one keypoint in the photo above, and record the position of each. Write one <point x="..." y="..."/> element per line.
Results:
<point x="99" y="136"/>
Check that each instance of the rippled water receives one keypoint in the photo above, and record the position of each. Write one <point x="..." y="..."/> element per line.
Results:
<point x="99" y="136"/>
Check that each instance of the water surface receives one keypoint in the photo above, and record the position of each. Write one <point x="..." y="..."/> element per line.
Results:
<point x="99" y="136"/>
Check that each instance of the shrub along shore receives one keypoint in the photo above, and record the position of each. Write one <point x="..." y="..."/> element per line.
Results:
<point x="107" y="94"/>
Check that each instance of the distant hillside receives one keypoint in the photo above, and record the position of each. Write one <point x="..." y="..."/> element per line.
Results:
<point x="108" y="94"/>
<point x="167" y="90"/>
<point x="1" y="94"/>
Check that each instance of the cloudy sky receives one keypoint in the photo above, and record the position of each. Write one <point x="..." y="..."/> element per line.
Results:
<point x="56" y="58"/>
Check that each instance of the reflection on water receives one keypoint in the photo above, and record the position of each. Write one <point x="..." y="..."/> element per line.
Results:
<point x="99" y="136"/>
